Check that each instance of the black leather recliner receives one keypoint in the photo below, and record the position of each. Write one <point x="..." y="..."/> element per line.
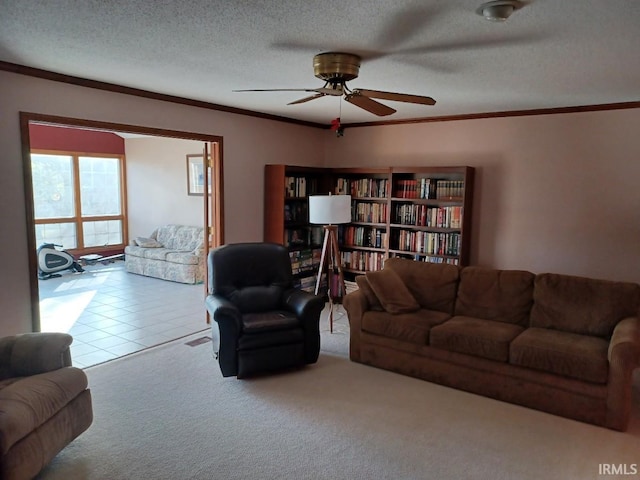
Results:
<point x="260" y="322"/>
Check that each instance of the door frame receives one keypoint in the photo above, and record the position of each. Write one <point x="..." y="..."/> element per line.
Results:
<point x="29" y="117"/>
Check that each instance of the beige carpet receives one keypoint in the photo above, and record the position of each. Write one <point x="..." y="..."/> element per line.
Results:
<point x="167" y="413"/>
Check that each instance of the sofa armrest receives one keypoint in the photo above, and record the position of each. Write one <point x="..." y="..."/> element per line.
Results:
<point x="34" y="353"/>
<point x="624" y="346"/>
<point x="356" y="304"/>
<point x="624" y="357"/>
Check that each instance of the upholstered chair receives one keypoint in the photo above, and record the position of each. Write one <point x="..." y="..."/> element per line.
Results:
<point x="45" y="402"/>
<point x="260" y="322"/>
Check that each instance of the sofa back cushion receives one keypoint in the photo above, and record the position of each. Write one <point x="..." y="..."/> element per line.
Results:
<point x="500" y="295"/>
<point x="582" y="305"/>
<point x="180" y="237"/>
<point x="433" y="285"/>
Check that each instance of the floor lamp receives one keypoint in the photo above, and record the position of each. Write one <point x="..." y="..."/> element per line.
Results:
<point x="330" y="211"/>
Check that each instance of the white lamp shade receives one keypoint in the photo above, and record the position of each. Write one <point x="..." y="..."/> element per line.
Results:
<point x="329" y="209"/>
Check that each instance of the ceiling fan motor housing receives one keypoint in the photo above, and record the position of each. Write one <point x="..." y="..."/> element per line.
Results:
<point x="336" y="67"/>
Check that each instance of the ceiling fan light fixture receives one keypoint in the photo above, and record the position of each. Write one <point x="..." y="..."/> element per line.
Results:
<point x="499" y="10"/>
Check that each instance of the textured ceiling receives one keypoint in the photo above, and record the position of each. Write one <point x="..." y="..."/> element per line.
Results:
<point x="549" y="54"/>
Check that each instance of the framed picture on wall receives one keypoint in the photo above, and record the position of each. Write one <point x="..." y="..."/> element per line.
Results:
<point x="195" y="175"/>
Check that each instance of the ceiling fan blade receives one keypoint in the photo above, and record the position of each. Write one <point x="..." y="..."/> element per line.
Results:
<point x="333" y="90"/>
<point x="306" y="99"/>
<point x="396" y="97"/>
<point x="368" y="104"/>
<point x="279" y="90"/>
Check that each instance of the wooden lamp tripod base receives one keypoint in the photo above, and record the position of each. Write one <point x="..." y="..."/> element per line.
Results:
<point x="330" y="259"/>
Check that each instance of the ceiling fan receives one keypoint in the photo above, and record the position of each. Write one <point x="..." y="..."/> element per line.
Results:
<point x="336" y="69"/>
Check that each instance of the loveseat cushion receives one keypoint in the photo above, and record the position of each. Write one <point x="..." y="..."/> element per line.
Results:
<point x="500" y="295"/>
<point x="433" y="285"/>
<point x="582" y="305"/>
<point x="180" y="237"/>
<point x="410" y="327"/>
<point x="28" y="402"/>
<point x="183" y="258"/>
<point x="475" y="336"/>
<point x="572" y="355"/>
<point x="392" y="293"/>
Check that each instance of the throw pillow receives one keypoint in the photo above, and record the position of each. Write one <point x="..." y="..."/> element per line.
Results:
<point x="393" y="294"/>
<point x="148" y="242"/>
<point x="367" y="291"/>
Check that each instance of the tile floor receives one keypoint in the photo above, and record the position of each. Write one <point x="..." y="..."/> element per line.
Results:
<point x="112" y="313"/>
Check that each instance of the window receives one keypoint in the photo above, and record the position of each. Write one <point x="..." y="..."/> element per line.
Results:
<point x="79" y="200"/>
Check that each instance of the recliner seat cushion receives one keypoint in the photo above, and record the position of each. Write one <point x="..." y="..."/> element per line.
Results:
<point x="569" y="354"/>
<point x="582" y="305"/>
<point x="268" y="321"/>
<point x="475" y="336"/>
<point x="499" y="295"/>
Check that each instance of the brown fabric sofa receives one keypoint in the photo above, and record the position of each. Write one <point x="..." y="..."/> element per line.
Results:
<point x="562" y="344"/>
<point x="44" y="402"/>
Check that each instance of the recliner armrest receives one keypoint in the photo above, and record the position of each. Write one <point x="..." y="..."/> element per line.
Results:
<point x="33" y="353"/>
<point x="303" y="304"/>
<point x="224" y="312"/>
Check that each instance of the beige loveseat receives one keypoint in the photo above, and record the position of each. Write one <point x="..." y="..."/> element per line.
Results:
<point x="171" y="252"/>
<point x="562" y="344"/>
<point x="44" y="402"/>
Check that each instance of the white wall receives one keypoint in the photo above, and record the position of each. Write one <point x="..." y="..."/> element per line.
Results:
<point x="157" y="184"/>
<point x="555" y="193"/>
<point x="249" y="144"/>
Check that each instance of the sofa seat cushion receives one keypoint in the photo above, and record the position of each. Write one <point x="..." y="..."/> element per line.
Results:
<point x="500" y="295"/>
<point x="475" y="336"/>
<point x="267" y="321"/>
<point x="156" y="253"/>
<point x="28" y="402"/>
<point x="410" y="327"/>
<point x="582" y="305"/>
<point x="134" y="251"/>
<point x="183" y="258"/>
<point x="572" y="355"/>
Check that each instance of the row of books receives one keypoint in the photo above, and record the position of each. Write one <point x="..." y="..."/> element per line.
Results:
<point x="424" y="216"/>
<point x="305" y="260"/>
<point x="449" y="189"/>
<point x="428" y="188"/>
<point x="428" y="258"/>
<point x="308" y="284"/>
<point x="369" y="212"/>
<point x="299" y="186"/>
<point x="362" y="261"/>
<point x="296" y="237"/>
<point x="363" y="187"/>
<point x="362" y="236"/>
<point x="428" y="242"/>
<point x="296" y="211"/>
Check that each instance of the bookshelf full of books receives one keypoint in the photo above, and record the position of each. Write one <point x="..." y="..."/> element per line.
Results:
<point x="430" y="218"/>
<point x="421" y="213"/>
<point x="286" y="217"/>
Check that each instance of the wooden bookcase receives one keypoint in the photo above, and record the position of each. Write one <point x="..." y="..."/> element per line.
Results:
<point x="286" y="216"/>
<point x="422" y="213"/>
